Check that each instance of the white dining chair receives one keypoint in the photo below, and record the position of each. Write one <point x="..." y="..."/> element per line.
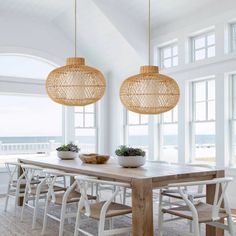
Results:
<point x="64" y="199"/>
<point x="200" y="212"/>
<point x="100" y="211"/>
<point x="37" y="191"/>
<point x="194" y="193"/>
<point x="16" y="185"/>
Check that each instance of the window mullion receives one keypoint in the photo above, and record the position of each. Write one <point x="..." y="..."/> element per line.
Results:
<point x="206" y="100"/>
<point x="171" y="55"/>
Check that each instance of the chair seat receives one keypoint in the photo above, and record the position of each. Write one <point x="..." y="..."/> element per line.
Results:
<point x="176" y="194"/>
<point x="115" y="209"/>
<point x="74" y="196"/>
<point x="44" y="189"/>
<point x="204" y="212"/>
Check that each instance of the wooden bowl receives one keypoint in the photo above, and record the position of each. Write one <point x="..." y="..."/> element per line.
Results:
<point x="94" y="158"/>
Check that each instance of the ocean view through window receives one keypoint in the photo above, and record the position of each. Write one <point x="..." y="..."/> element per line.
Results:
<point x="85" y="119"/>
<point x="203" y="121"/>
<point x="29" y="124"/>
<point x="168" y="130"/>
<point x="136" y="130"/>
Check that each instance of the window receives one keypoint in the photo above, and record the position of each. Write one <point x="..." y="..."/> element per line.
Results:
<point x="24" y="66"/>
<point x="136" y="130"/>
<point x="203" y="46"/>
<point x="168" y="135"/>
<point x="86" y="128"/>
<point x="233" y="37"/>
<point x="203" y="121"/>
<point x="169" y="56"/>
<point x="233" y="121"/>
<point x="28" y="124"/>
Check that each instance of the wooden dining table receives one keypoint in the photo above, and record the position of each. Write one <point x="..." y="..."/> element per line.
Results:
<point x="143" y="180"/>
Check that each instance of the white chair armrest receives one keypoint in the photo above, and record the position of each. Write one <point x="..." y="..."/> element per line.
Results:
<point x="98" y="181"/>
<point x="13" y="163"/>
<point x="58" y="172"/>
<point x="26" y="166"/>
<point x="204" y="182"/>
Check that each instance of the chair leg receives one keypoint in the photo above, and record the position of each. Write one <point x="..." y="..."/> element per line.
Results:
<point x="160" y="215"/>
<point x="45" y="218"/>
<point x="6" y="202"/>
<point x="77" y="224"/>
<point x="196" y="228"/>
<point x="112" y="191"/>
<point x="62" y="220"/>
<point x="16" y="200"/>
<point x="191" y="226"/>
<point x="64" y="181"/>
<point x="160" y="223"/>
<point x="69" y="219"/>
<point x="124" y="196"/>
<point x="24" y="203"/>
<point x="35" y="210"/>
<point x="110" y="223"/>
<point x="101" y="227"/>
<point x="230" y="226"/>
<point x="7" y="197"/>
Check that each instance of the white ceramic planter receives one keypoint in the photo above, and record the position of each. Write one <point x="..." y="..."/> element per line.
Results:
<point x="131" y="161"/>
<point x="67" y="155"/>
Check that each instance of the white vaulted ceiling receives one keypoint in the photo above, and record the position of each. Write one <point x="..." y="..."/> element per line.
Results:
<point x="43" y="9"/>
<point x="111" y="32"/>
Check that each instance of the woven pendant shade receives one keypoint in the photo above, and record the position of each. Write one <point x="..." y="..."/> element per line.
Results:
<point x="75" y="84"/>
<point x="149" y="92"/>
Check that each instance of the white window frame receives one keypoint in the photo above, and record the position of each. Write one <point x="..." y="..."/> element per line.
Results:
<point x="202" y="35"/>
<point x="233" y="37"/>
<point x="160" y="134"/>
<point x="192" y="110"/>
<point x="127" y="125"/>
<point x="232" y="119"/>
<point x="171" y="57"/>
<point x="95" y="126"/>
<point x="84" y="113"/>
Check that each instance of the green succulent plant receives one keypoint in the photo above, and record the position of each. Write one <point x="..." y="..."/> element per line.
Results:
<point x="123" y="150"/>
<point x="68" y="148"/>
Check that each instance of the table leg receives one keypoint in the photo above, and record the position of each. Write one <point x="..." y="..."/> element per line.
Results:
<point x="142" y="207"/>
<point x="210" y="192"/>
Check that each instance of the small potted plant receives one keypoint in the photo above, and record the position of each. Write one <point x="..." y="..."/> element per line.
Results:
<point x="69" y="151"/>
<point x="130" y="157"/>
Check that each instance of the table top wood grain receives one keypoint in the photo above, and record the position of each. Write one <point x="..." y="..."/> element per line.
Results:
<point x="111" y="170"/>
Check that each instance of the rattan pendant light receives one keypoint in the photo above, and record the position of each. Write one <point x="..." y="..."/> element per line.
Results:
<point x="149" y="92"/>
<point x="75" y="84"/>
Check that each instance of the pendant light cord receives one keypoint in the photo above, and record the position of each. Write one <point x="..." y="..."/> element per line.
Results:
<point x="75" y="27"/>
<point x="149" y="32"/>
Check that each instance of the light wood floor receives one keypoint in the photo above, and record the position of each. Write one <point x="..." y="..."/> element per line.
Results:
<point x="10" y="225"/>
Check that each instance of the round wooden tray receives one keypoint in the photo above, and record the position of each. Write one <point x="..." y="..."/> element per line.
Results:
<point x="94" y="158"/>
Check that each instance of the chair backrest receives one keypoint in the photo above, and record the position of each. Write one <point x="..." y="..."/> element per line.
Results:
<point x="52" y="176"/>
<point x="200" y="188"/>
<point x="31" y="172"/>
<point x="83" y="183"/>
<point x="221" y="185"/>
<point x="12" y="168"/>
